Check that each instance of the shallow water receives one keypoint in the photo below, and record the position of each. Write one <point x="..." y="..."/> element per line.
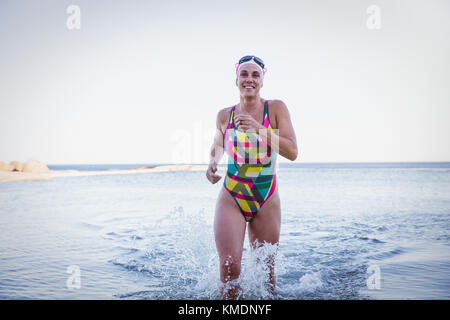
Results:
<point x="150" y="236"/>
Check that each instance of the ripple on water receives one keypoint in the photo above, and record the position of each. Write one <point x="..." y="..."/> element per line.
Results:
<point x="388" y="254"/>
<point x="373" y="240"/>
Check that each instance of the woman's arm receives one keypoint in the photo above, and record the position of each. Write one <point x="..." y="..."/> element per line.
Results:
<point x="283" y="139"/>
<point x="216" y="151"/>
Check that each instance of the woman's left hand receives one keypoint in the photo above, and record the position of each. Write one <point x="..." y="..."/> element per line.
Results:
<point x="245" y="122"/>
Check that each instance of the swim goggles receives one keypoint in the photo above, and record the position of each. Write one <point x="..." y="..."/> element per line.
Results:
<point x="256" y="59"/>
<point x="251" y="59"/>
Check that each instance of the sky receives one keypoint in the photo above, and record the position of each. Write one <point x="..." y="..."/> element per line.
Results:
<point x="142" y="81"/>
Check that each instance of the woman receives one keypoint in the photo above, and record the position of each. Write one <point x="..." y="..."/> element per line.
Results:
<point x="252" y="132"/>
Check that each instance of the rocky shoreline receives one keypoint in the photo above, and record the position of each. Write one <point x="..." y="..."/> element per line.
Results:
<point x="43" y="173"/>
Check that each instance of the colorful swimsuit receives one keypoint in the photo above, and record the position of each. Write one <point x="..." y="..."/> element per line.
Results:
<point x="251" y="177"/>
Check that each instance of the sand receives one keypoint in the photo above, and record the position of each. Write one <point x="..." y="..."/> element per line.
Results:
<point x="26" y="176"/>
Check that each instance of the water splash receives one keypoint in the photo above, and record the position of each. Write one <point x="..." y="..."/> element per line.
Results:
<point x="305" y="286"/>
<point x="178" y="253"/>
<point x="255" y="275"/>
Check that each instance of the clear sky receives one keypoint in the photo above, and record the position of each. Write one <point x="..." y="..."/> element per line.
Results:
<point x="142" y="81"/>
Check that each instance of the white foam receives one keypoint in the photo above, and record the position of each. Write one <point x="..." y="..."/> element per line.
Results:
<point x="307" y="283"/>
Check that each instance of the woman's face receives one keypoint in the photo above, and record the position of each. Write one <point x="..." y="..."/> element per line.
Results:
<point x="249" y="80"/>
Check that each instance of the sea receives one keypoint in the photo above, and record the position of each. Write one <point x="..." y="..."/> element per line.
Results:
<point x="349" y="231"/>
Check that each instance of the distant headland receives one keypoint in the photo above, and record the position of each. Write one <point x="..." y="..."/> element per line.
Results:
<point x="34" y="169"/>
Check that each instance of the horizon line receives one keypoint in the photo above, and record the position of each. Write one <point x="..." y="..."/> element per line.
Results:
<point x="281" y="162"/>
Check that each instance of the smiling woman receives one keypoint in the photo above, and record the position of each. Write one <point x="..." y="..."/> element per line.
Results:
<point x="252" y="132"/>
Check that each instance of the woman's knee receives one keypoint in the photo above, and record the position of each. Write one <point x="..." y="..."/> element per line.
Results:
<point x="230" y="268"/>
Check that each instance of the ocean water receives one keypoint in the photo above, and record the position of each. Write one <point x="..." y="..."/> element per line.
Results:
<point x="349" y="231"/>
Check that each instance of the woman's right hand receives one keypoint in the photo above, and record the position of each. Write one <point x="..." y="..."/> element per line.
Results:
<point x="211" y="174"/>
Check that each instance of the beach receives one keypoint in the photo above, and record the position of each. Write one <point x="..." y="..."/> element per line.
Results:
<point x="28" y="176"/>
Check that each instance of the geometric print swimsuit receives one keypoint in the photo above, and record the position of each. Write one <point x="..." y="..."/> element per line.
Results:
<point x="251" y="176"/>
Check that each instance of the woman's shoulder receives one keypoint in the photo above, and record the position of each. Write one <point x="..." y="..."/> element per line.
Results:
<point x="277" y="104"/>
<point x="277" y="109"/>
<point x="224" y="114"/>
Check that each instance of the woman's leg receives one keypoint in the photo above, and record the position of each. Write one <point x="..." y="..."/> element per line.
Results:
<point x="265" y="227"/>
<point x="229" y="231"/>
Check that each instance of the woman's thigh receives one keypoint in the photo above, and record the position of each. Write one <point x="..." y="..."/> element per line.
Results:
<point x="265" y="226"/>
<point x="229" y="227"/>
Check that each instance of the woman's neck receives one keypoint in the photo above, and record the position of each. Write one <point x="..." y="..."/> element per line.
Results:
<point x="250" y="104"/>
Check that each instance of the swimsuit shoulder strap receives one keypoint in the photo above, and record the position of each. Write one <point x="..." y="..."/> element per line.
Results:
<point x="266" y="121"/>
<point x="231" y="120"/>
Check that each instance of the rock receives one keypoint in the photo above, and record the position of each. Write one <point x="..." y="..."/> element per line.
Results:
<point x="17" y="165"/>
<point x="6" y="167"/>
<point x="35" y="166"/>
